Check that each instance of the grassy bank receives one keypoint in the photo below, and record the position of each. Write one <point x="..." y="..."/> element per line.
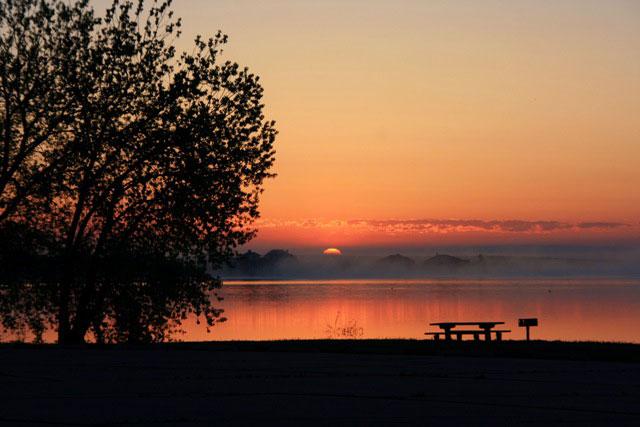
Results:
<point x="560" y="350"/>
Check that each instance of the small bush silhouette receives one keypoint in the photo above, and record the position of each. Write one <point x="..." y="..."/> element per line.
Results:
<point x="344" y="329"/>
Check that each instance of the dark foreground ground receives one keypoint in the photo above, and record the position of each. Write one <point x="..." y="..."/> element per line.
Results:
<point x="321" y="383"/>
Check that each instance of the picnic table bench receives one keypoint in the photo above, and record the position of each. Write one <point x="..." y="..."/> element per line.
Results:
<point x="486" y="329"/>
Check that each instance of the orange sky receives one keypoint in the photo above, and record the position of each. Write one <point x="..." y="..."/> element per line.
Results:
<point x="416" y="110"/>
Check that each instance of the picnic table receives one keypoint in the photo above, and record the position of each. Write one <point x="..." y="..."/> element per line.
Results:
<point x="486" y="329"/>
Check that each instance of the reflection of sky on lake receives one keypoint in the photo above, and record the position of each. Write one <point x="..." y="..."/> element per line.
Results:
<point x="607" y="310"/>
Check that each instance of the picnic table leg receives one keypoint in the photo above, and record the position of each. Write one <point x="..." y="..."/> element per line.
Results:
<point x="447" y="334"/>
<point x="487" y="335"/>
<point x="436" y="337"/>
<point x="476" y="336"/>
<point x="498" y="336"/>
<point x="459" y="336"/>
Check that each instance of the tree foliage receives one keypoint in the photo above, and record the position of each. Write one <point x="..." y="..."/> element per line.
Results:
<point x="138" y="169"/>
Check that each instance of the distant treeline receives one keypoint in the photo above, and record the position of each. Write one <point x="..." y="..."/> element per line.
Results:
<point x="283" y="264"/>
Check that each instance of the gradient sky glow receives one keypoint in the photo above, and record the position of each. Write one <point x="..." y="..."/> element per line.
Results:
<point x="433" y="110"/>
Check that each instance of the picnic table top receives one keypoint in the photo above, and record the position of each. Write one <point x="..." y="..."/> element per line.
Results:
<point x="444" y="325"/>
<point x="468" y="331"/>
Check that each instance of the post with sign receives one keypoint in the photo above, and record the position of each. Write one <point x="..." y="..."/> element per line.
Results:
<point x="527" y="323"/>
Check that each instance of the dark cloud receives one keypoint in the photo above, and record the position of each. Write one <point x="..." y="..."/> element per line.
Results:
<point x="450" y="225"/>
<point x="604" y="225"/>
<point x="517" y="226"/>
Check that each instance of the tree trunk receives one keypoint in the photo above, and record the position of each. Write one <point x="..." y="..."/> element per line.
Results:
<point x="68" y="332"/>
<point x="76" y="336"/>
<point x="64" y="327"/>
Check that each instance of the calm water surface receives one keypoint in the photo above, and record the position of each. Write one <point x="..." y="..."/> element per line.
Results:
<point x="591" y="309"/>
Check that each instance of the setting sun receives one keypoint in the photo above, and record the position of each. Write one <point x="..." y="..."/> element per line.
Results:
<point x="332" y="252"/>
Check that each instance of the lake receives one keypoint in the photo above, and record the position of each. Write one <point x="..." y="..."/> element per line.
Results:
<point x="567" y="309"/>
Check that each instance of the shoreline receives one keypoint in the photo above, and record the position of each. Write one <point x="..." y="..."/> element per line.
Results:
<point x="534" y="349"/>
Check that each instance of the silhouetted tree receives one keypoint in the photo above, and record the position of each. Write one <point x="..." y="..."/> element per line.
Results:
<point x="277" y="261"/>
<point x="25" y="287"/>
<point x="248" y="263"/>
<point x="39" y="44"/>
<point x="153" y="174"/>
<point x="274" y="262"/>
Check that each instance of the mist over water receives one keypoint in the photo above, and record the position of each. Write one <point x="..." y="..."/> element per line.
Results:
<point x="287" y="265"/>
